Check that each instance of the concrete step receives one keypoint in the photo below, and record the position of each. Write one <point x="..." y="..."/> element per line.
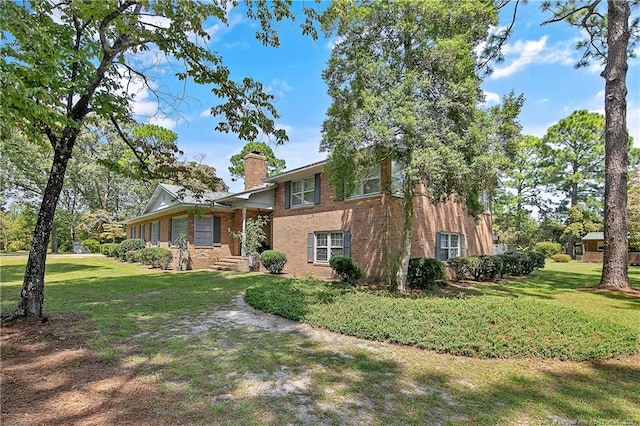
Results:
<point x="230" y="263"/>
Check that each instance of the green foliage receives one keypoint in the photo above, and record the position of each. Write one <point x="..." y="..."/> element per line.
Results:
<point x="273" y="260"/>
<point x="345" y="268"/>
<point x="254" y="235"/>
<point x="131" y="245"/>
<point x="131" y="256"/>
<point x="274" y="165"/>
<point x="561" y="258"/>
<point x="17" y="245"/>
<point x="92" y="245"/>
<point x="484" y="327"/>
<point x="548" y="248"/>
<point x="157" y="257"/>
<point x="460" y="268"/>
<point x="111" y="250"/>
<point x="424" y="273"/>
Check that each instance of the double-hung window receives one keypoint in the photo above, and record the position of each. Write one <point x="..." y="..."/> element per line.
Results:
<point x="178" y="227"/>
<point x="207" y="230"/>
<point x="368" y="185"/>
<point x="328" y="244"/>
<point x="141" y="232"/>
<point x="397" y="177"/>
<point x="449" y="245"/>
<point x="302" y="192"/>
<point x="132" y="232"/>
<point x="155" y="233"/>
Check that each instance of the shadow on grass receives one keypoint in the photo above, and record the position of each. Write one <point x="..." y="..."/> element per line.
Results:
<point x="16" y="272"/>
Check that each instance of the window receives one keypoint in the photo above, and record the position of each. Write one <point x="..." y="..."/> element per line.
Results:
<point x="132" y="232"/>
<point x="449" y="245"/>
<point x="141" y="232"/>
<point x="329" y="244"/>
<point x="302" y="192"/>
<point x="178" y="227"/>
<point x="397" y="177"/>
<point x="207" y="231"/>
<point x="155" y="233"/>
<point x="600" y="246"/>
<point x="369" y="185"/>
<point x="485" y="200"/>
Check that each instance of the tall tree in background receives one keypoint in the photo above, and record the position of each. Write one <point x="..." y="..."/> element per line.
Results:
<point x="404" y="88"/>
<point x="521" y="181"/>
<point x="274" y="165"/>
<point x="573" y="163"/>
<point x="61" y="61"/>
<point x="612" y="36"/>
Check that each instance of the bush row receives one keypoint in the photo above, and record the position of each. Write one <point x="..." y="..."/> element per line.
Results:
<point x="486" y="327"/>
<point x="135" y="250"/>
<point x="483" y="268"/>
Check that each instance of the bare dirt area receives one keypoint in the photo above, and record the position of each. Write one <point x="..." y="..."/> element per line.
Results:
<point x="51" y="376"/>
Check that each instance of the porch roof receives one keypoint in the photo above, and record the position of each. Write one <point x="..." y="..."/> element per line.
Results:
<point x="594" y="236"/>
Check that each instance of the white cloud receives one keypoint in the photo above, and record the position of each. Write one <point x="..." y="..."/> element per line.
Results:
<point x="491" y="98"/>
<point x="633" y="122"/>
<point x="166" y="122"/>
<point x="278" y="87"/>
<point x="334" y="41"/>
<point x="522" y="53"/>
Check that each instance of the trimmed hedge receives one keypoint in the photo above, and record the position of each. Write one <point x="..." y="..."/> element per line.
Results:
<point x="111" y="250"/>
<point x="131" y="245"/>
<point x="424" y="273"/>
<point x="484" y="327"/>
<point x="92" y="245"/>
<point x="548" y="248"/>
<point x="561" y="258"/>
<point x="273" y="261"/>
<point x="346" y="269"/>
<point x="156" y="257"/>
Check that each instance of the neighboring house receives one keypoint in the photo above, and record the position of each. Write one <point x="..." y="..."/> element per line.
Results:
<point x="310" y="224"/>
<point x="593" y="249"/>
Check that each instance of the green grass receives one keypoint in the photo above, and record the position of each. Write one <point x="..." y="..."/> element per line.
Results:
<point x="144" y="318"/>
<point x="483" y="326"/>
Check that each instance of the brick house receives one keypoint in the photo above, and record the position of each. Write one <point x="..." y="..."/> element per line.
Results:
<point x="310" y="223"/>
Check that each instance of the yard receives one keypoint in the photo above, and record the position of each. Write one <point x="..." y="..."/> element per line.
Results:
<point x="128" y="345"/>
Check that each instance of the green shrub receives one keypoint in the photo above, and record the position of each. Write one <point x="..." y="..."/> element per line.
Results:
<point x="531" y="260"/>
<point x="561" y="258"/>
<point x="460" y="268"/>
<point x="511" y="264"/>
<point x="92" y="245"/>
<point x="484" y="327"/>
<point x="491" y="267"/>
<point x="474" y="263"/>
<point x="131" y="245"/>
<point x="424" y="273"/>
<point x="17" y="245"/>
<point x="548" y="248"/>
<point x="131" y="256"/>
<point x="346" y="269"/>
<point x="273" y="261"/>
<point x="157" y="257"/>
<point x="110" y="249"/>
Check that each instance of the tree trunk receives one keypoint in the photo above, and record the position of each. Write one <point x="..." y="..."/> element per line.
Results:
<point x="32" y="294"/>
<point x="616" y="245"/>
<point x="407" y="236"/>
<point x="54" y="238"/>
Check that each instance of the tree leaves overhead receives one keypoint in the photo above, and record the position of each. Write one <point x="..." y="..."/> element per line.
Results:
<point x="274" y="165"/>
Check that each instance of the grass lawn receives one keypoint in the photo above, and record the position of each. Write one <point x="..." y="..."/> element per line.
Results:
<point x="184" y="334"/>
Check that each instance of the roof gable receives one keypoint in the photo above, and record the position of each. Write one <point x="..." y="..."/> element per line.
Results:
<point x="166" y="196"/>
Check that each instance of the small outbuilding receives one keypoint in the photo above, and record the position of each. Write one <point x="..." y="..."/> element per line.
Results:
<point x="593" y="249"/>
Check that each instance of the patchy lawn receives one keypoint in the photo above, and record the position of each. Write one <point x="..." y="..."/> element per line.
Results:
<point x="129" y="345"/>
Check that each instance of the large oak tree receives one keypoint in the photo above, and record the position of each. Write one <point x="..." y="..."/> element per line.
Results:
<point x="62" y="61"/>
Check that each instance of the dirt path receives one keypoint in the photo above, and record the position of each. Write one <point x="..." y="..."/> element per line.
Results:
<point x="51" y="376"/>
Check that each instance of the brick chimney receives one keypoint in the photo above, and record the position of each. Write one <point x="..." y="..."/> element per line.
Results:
<point x="255" y="169"/>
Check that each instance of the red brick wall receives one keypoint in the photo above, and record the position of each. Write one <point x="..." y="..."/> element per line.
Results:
<point x="375" y="224"/>
<point x="255" y="169"/>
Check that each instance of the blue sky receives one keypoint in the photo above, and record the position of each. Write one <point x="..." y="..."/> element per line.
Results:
<point x="539" y="63"/>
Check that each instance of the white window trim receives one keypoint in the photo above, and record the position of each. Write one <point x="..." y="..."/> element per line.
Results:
<point x="151" y="226"/>
<point x="173" y="235"/>
<point x="304" y="191"/>
<point x="329" y="245"/>
<point x="449" y="247"/>
<point x="195" y="236"/>
<point x="358" y="191"/>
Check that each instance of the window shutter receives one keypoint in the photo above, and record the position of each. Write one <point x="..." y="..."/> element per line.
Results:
<point x="316" y="189"/>
<point x="346" y="244"/>
<point x="438" y="242"/>
<point x="310" y="247"/>
<point x="217" y="234"/>
<point x="170" y="231"/>
<point x="463" y="248"/>
<point x="287" y="194"/>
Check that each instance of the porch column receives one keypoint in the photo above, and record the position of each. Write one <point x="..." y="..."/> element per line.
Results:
<point x="243" y="251"/>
